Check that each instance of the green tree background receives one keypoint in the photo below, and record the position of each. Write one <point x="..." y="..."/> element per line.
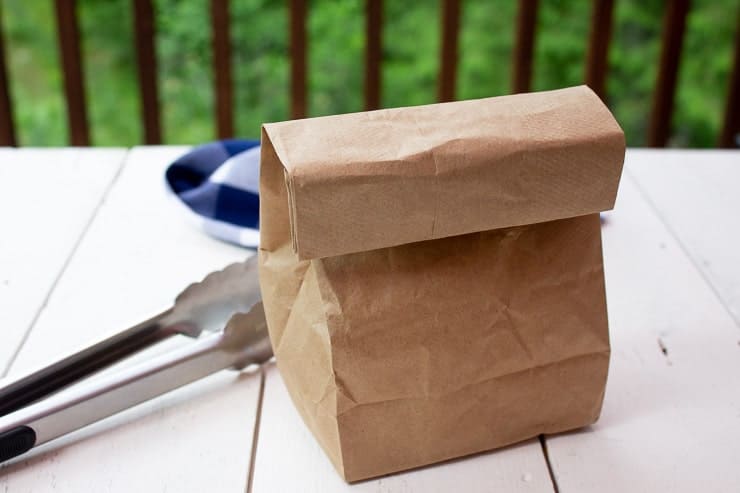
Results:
<point x="336" y="47"/>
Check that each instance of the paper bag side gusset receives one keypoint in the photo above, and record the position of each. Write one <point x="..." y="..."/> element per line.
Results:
<point x="398" y="176"/>
<point x="464" y="344"/>
<point x="296" y="320"/>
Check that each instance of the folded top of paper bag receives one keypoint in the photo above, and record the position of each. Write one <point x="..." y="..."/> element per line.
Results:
<point x="371" y="180"/>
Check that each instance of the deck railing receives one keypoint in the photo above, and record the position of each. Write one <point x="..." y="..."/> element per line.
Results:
<point x="596" y="67"/>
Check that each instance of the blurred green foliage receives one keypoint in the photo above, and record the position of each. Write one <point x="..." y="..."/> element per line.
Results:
<point x="336" y="62"/>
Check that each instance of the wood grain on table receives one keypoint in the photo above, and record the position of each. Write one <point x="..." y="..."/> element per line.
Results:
<point x="97" y="244"/>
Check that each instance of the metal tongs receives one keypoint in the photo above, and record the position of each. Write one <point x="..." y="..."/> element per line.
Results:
<point x="226" y="304"/>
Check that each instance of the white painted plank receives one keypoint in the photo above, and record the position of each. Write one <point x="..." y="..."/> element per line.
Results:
<point x="696" y="194"/>
<point x="289" y="459"/>
<point x="47" y="199"/>
<point x="670" y="421"/>
<point x="138" y="254"/>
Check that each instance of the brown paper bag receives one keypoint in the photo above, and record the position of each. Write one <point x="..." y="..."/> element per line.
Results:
<point x="432" y="276"/>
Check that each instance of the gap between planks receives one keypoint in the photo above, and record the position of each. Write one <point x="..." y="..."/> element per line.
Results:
<point x="256" y="433"/>
<point x="546" y="454"/>
<point x="119" y="168"/>
<point x="684" y="249"/>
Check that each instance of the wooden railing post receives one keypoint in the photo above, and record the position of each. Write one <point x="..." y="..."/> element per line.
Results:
<point x="526" y="27"/>
<point x="373" y="52"/>
<point x="222" y="81"/>
<point x="74" y="82"/>
<point x="674" y="25"/>
<point x="597" y="60"/>
<point x="298" y="49"/>
<point x="731" y="125"/>
<point x="448" y="50"/>
<point x="146" y="63"/>
<point x="7" y="122"/>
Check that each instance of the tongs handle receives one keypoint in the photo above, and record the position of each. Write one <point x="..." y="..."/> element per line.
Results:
<point x="71" y="369"/>
<point x="99" y="398"/>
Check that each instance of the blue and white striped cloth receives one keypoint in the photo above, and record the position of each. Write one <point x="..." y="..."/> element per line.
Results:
<point x="219" y="184"/>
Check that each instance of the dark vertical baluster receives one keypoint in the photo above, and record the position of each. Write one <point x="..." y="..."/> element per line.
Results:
<point x="526" y="26"/>
<point x="674" y="25"/>
<point x="731" y="126"/>
<point x="223" y="87"/>
<point x="298" y="49"/>
<point x="373" y="52"/>
<point x="146" y="63"/>
<point x="448" y="51"/>
<point x="7" y="126"/>
<point x="597" y="60"/>
<point x="74" y="86"/>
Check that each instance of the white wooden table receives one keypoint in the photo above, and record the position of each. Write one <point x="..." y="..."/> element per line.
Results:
<point x="90" y="242"/>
